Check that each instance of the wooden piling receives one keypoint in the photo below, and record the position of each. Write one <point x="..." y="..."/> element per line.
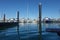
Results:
<point x="17" y="16"/>
<point x="4" y="18"/>
<point x="40" y="28"/>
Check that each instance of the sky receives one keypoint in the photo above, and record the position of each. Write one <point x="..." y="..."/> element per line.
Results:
<point x="51" y="8"/>
<point x="29" y="8"/>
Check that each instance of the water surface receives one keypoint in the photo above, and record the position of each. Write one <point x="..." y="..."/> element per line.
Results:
<point x="29" y="31"/>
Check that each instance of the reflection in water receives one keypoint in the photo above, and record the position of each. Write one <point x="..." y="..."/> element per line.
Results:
<point x="39" y="31"/>
<point x="52" y="25"/>
<point x="59" y="24"/>
<point x="49" y="35"/>
<point x="22" y="24"/>
<point x="4" y="33"/>
<point x="29" y="32"/>
<point x="18" y="32"/>
<point x="46" y="24"/>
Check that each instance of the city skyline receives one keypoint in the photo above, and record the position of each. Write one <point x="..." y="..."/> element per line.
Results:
<point x="50" y="8"/>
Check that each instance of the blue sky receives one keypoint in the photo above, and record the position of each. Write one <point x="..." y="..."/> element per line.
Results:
<point x="50" y="8"/>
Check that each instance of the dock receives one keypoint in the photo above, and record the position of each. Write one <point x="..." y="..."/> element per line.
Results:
<point x="4" y="24"/>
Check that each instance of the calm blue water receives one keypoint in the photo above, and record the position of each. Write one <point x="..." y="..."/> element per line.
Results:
<point x="29" y="32"/>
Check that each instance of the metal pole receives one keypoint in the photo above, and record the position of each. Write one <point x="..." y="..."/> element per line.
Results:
<point x="40" y="29"/>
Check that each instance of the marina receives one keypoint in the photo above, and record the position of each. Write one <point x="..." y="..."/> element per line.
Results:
<point x="34" y="20"/>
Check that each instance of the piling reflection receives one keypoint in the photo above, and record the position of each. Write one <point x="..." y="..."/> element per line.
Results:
<point x="39" y="31"/>
<point x="18" y="32"/>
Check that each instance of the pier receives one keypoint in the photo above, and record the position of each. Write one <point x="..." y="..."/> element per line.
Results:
<point x="4" y="24"/>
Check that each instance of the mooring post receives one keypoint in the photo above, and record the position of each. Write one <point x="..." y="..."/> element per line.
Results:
<point x="4" y="18"/>
<point x="40" y="28"/>
<point x="18" y="16"/>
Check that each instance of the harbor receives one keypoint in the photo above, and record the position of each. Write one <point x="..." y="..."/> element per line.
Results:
<point x="28" y="29"/>
<point x="29" y="20"/>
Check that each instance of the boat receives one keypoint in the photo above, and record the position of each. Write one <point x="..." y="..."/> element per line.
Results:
<point x="47" y="20"/>
<point x="53" y="30"/>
